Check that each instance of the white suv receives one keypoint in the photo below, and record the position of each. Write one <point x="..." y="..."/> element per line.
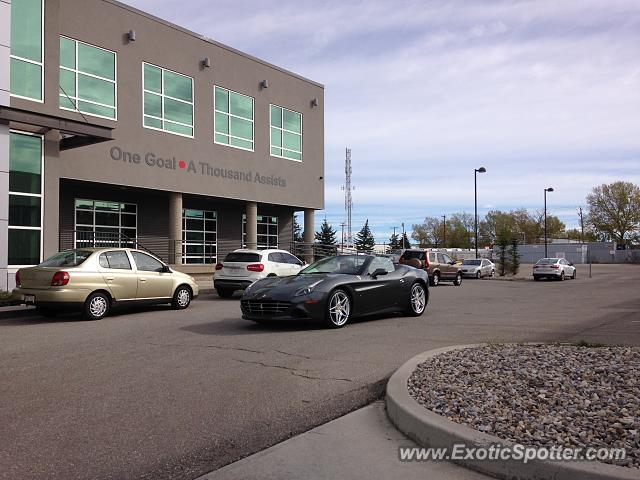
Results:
<point x="242" y="267"/>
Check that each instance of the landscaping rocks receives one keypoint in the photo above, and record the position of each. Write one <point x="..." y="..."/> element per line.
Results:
<point x="539" y="395"/>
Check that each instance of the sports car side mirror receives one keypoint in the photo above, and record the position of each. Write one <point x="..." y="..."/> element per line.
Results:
<point x="377" y="272"/>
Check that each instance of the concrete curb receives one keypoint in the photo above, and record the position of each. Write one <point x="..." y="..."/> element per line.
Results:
<point x="429" y="429"/>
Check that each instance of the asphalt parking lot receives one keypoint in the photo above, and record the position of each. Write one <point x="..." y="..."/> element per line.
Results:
<point x="159" y="394"/>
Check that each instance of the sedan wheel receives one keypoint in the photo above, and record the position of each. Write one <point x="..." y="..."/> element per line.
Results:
<point x="575" y="274"/>
<point x="338" y="309"/>
<point x="181" y="298"/>
<point x="478" y="275"/>
<point x="417" y="300"/>
<point x="561" y="276"/>
<point x="96" y="306"/>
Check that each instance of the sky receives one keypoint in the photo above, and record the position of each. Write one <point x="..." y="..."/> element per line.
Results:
<point x="540" y="93"/>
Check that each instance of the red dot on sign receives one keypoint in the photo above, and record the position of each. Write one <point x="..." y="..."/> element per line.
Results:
<point x="182" y="164"/>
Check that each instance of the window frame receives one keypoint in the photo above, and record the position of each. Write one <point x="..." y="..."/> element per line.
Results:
<point x="22" y="59"/>
<point x="77" y="73"/>
<point x="23" y="194"/>
<point x="204" y="243"/>
<point x="282" y="130"/>
<point x="262" y="246"/>
<point x="163" y="96"/>
<point x="95" y="225"/>
<point x="229" y="114"/>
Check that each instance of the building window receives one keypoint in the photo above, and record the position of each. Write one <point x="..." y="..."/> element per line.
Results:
<point x="286" y="133"/>
<point x="267" y="231"/>
<point x="25" y="199"/>
<point x="27" y="64"/>
<point x="233" y="122"/>
<point x="105" y="224"/>
<point x="168" y="100"/>
<point x="87" y="79"/>
<point x="199" y="236"/>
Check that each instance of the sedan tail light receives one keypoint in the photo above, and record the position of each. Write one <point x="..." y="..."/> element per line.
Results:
<point x="18" y="279"/>
<point x="555" y="266"/>
<point x="60" y="279"/>
<point x="535" y="266"/>
<point x="219" y="266"/>
<point x="255" y="267"/>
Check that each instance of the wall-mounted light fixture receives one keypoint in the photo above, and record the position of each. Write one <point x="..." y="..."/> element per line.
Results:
<point x="131" y="36"/>
<point x="206" y="62"/>
<point x="314" y="103"/>
<point x="264" y="84"/>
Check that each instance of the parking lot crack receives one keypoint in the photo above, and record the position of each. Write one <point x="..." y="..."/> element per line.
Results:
<point x="219" y="347"/>
<point x="293" y="371"/>
<point x="293" y="354"/>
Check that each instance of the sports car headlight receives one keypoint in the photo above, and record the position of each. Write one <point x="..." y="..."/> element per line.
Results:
<point x="306" y="290"/>
<point x="248" y="289"/>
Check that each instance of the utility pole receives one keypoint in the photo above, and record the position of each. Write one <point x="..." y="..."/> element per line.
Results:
<point x="342" y="243"/>
<point x="403" y="233"/>
<point x="581" y="224"/>
<point x="550" y="189"/>
<point x="348" y="199"/>
<point x="444" y="231"/>
<point x="476" y="171"/>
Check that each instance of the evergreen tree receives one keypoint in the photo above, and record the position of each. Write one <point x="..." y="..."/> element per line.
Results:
<point x="326" y="235"/>
<point x="364" y="239"/>
<point x="297" y="230"/>
<point x="503" y="241"/>
<point x="514" y="257"/>
<point x="407" y="243"/>
<point x="394" y="242"/>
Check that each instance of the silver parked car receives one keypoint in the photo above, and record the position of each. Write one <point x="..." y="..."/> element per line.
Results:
<point x="554" y="268"/>
<point x="478" y="267"/>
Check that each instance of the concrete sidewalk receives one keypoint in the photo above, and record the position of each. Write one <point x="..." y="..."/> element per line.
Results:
<point x="362" y="445"/>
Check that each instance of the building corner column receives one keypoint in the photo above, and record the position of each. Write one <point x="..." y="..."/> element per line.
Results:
<point x="309" y="231"/>
<point x="5" y="29"/>
<point x="175" y="228"/>
<point x="251" y="228"/>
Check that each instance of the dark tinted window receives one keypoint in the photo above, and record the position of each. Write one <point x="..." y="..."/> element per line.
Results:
<point x="147" y="263"/>
<point x="116" y="259"/>
<point x="243" y="257"/>
<point x="68" y="258"/>
<point x="472" y="262"/>
<point x="288" y="258"/>
<point x="547" y="261"/>
<point x="409" y="254"/>
<point x="276" y="257"/>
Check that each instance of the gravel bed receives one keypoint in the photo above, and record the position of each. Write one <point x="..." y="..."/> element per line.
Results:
<point x="543" y="395"/>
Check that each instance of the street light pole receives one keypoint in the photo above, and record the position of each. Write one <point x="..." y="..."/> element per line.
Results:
<point x="550" y="189"/>
<point x="403" y="234"/>
<point x="342" y="243"/>
<point x="444" y="231"/>
<point x="476" y="171"/>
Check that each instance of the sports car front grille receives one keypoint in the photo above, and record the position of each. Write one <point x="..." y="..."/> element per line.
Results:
<point x="264" y="307"/>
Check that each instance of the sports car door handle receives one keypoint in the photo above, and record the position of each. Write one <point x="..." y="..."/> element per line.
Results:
<point x="143" y="279"/>
<point x="109" y="279"/>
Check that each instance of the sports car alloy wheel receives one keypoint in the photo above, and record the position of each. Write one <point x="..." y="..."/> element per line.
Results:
<point x="339" y="309"/>
<point x="417" y="299"/>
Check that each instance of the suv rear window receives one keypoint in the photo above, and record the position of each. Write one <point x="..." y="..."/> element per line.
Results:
<point x="243" y="257"/>
<point x="409" y="254"/>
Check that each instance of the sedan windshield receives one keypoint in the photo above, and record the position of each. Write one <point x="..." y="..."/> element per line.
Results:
<point x="348" y="264"/>
<point x="472" y="262"/>
<point x="68" y="258"/>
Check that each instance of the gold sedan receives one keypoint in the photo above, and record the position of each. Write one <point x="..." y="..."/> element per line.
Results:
<point x="95" y="279"/>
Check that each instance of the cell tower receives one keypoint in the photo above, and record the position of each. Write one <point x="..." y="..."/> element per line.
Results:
<point x="348" y="199"/>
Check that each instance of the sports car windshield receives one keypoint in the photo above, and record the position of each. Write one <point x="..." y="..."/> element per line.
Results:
<point x="347" y="264"/>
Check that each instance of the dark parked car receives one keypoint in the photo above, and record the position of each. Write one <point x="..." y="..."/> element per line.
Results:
<point x="337" y="289"/>
<point x="438" y="265"/>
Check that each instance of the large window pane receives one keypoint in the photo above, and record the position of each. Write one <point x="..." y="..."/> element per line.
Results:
<point x="26" y="29"/>
<point x="178" y="111"/>
<point x="291" y="121"/>
<point x="291" y="141"/>
<point x="196" y="224"/>
<point x="222" y="123"/>
<point x="26" y="79"/>
<point x="24" y="247"/>
<point x="242" y="106"/>
<point x="25" y="163"/>
<point x="152" y="78"/>
<point x="96" y="90"/>
<point x="104" y="223"/>
<point x="276" y="116"/>
<point x="152" y="104"/>
<point x="67" y="53"/>
<point x="67" y="83"/>
<point x="96" y="109"/>
<point x="96" y="61"/>
<point x="222" y="100"/>
<point x="241" y="128"/>
<point x="24" y="211"/>
<point x="177" y="86"/>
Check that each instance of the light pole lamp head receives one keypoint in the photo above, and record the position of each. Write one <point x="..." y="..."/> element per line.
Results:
<point x="481" y="170"/>
<point x="550" y="189"/>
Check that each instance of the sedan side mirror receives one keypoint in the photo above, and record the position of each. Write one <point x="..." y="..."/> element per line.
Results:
<point x="571" y="264"/>
<point x="452" y="262"/>
<point x="378" y="271"/>
<point x="165" y="269"/>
